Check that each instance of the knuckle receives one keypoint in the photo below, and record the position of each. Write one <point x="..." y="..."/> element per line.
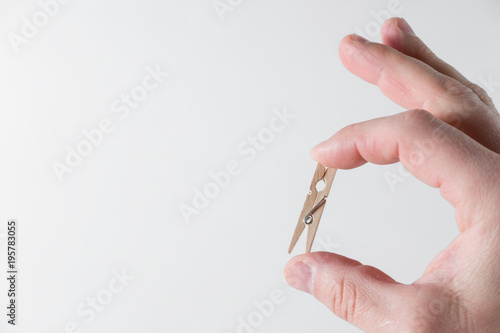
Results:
<point x="453" y="87"/>
<point x="422" y="128"/>
<point x="358" y="130"/>
<point x="373" y="273"/>
<point x="461" y="93"/>
<point x="481" y="93"/>
<point x="344" y="298"/>
<point x="417" y="117"/>
<point x="355" y="127"/>
<point x="455" y="90"/>
<point x="478" y="89"/>
<point x="347" y="298"/>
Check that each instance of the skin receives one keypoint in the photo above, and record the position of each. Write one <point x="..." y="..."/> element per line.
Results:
<point x="449" y="138"/>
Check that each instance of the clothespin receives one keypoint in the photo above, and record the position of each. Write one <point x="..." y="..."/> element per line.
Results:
<point x="313" y="206"/>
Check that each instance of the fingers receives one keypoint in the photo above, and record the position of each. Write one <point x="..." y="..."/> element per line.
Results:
<point x="359" y="294"/>
<point x="433" y="151"/>
<point x="406" y="80"/>
<point x="414" y="84"/>
<point x="484" y="126"/>
<point x="398" y="34"/>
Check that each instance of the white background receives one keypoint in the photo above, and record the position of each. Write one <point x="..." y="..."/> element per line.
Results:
<point x="119" y="209"/>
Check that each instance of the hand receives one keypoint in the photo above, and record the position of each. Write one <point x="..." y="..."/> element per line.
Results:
<point x="449" y="139"/>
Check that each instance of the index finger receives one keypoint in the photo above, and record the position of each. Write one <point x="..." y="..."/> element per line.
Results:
<point x="433" y="151"/>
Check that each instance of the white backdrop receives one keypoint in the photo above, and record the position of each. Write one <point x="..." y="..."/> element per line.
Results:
<point x="103" y="245"/>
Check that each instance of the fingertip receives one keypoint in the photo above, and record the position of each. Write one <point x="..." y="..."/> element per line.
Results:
<point x="344" y="41"/>
<point x="316" y="152"/>
<point x="289" y="265"/>
<point x="404" y="26"/>
<point x="293" y="261"/>
<point x="353" y="39"/>
<point x="321" y="151"/>
<point x="298" y="274"/>
<point x="338" y="152"/>
<point x="390" y="24"/>
<point x="391" y="33"/>
<point x="348" y="46"/>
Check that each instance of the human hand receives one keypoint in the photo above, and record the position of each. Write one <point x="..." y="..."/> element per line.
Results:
<point x="454" y="145"/>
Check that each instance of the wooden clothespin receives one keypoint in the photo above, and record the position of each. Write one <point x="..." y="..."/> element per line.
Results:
<point x="313" y="207"/>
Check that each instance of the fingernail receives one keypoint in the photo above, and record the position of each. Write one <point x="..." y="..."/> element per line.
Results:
<point x="358" y="38"/>
<point x="404" y="26"/>
<point x="300" y="277"/>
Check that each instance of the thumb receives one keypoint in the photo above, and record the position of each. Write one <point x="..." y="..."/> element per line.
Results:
<point x="360" y="294"/>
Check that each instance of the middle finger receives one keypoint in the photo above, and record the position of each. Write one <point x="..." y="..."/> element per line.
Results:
<point x="415" y="85"/>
